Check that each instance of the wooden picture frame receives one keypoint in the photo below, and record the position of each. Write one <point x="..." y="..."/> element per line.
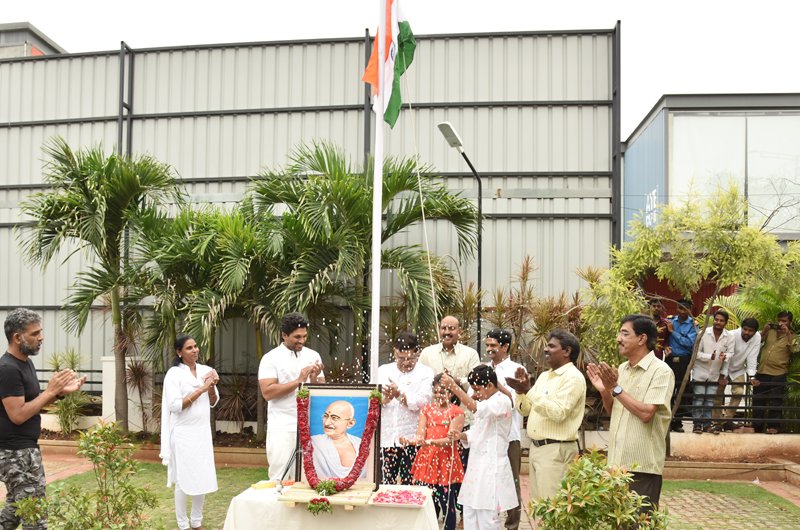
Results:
<point x="338" y="421"/>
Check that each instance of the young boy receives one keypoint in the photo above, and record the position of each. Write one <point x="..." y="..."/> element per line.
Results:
<point x="488" y="486"/>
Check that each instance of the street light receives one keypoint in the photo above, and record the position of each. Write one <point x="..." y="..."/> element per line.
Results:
<point x="454" y="140"/>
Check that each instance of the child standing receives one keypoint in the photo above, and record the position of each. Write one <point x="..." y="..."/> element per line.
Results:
<point x="438" y="464"/>
<point x="488" y="486"/>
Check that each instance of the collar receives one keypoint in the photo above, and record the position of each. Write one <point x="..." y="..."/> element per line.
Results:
<point x="563" y="368"/>
<point x="645" y="362"/>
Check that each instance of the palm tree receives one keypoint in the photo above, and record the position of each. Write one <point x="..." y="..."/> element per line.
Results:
<point x="93" y="200"/>
<point x="325" y="208"/>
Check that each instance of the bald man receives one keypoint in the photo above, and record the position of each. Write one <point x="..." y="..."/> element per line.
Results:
<point x="335" y="450"/>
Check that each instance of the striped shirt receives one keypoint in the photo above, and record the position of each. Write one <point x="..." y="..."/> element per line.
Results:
<point x="640" y="446"/>
<point x="555" y="404"/>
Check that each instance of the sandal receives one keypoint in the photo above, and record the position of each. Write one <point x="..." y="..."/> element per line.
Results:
<point x="772" y="431"/>
<point x="713" y="429"/>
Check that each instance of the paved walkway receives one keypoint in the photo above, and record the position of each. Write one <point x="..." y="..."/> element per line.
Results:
<point x="689" y="509"/>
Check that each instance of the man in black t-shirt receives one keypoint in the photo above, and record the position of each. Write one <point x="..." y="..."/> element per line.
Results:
<point x="20" y="419"/>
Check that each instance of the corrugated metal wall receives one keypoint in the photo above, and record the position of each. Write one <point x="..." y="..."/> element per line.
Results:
<point x="534" y="110"/>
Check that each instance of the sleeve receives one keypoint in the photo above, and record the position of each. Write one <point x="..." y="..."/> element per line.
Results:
<point x="523" y="403"/>
<point x="702" y="354"/>
<point x="561" y="403"/>
<point x="660" y="390"/>
<point x="421" y="393"/>
<point x="684" y="339"/>
<point x="10" y="382"/>
<point x="172" y="399"/>
<point x="473" y="361"/>
<point x="267" y="368"/>
<point x="752" y="354"/>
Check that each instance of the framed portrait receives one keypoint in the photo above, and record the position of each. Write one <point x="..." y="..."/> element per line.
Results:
<point x="337" y="418"/>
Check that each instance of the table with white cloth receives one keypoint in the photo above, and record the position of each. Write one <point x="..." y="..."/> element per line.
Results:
<point x="256" y="509"/>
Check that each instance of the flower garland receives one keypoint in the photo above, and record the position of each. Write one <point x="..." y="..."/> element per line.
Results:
<point x="328" y="487"/>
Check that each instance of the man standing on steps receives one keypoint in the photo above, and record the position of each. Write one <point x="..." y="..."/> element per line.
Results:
<point x="21" y="467"/>
<point x="679" y="354"/>
<point x="742" y="364"/>
<point x="769" y="384"/>
<point x="281" y="372"/>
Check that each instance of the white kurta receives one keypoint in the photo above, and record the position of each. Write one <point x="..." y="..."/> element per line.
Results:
<point x="488" y="482"/>
<point x="186" y="446"/>
<point x="326" y="457"/>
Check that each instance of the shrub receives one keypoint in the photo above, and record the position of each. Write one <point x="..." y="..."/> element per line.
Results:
<point x="592" y="495"/>
<point x="72" y="406"/>
<point x="115" y="503"/>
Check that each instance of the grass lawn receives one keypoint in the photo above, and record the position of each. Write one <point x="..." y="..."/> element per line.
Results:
<point x="232" y="481"/>
<point x="697" y="505"/>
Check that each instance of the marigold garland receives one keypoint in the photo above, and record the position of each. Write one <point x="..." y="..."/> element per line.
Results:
<point x="323" y="487"/>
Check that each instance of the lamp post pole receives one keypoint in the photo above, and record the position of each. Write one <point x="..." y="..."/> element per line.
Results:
<point x="455" y="141"/>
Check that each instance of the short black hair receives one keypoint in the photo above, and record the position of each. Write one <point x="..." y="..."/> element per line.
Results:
<point x="180" y="341"/>
<point x="293" y="321"/>
<point x="406" y="341"/>
<point x="643" y="325"/>
<point x="482" y="375"/>
<point x="724" y="314"/>
<point x="567" y="340"/>
<point x="751" y="323"/>
<point x="685" y="302"/>
<point x="787" y="314"/>
<point x="502" y="336"/>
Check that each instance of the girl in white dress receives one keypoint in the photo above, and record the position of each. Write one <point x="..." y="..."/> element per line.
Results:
<point x="488" y="487"/>
<point x="186" y="446"/>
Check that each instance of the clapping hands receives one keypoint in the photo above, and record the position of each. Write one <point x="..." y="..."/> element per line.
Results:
<point x="602" y="376"/>
<point x="521" y="383"/>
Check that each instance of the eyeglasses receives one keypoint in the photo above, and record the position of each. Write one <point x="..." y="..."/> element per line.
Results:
<point x="334" y="418"/>
<point x="448" y="328"/>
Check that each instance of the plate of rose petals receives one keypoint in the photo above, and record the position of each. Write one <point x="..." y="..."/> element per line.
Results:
<point x="400" y="496"/>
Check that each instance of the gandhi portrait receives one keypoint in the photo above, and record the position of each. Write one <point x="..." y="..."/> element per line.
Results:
<point x="335" y="450"/>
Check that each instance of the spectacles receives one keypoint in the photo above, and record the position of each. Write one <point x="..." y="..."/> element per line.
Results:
<point x="334" y="418"/>
<point x="448" y="328"/>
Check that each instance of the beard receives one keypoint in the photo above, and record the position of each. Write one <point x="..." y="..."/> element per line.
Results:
<point x="28" y="350"/>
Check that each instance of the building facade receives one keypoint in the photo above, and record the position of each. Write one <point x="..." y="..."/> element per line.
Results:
<point x="538" y="113"/>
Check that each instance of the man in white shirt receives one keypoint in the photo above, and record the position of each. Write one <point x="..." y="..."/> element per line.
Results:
<point x="406" y="386"/>
<point x="716" y="346"/>
<point x="280" y="373"/>
<point x="746" y="345"/>
<point x="498" y="347"/>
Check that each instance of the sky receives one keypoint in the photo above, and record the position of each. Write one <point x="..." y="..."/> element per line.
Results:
<point x="675" y="47"/>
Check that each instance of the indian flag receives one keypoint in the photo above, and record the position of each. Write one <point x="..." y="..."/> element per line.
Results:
<point x="398" y="54"/>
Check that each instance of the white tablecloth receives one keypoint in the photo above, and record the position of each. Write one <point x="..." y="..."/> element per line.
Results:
<point x="256" y="509"/>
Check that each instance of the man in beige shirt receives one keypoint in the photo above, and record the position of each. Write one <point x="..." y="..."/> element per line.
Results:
<point x="450" y="355"/>
<point x="554" y="407"/>
<point x="638" y="398"/>
<point x="769" y="384"/>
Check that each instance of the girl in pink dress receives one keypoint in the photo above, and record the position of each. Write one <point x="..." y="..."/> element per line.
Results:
<point x="438" y="464"/>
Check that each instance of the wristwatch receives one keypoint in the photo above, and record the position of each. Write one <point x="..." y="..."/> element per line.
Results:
<point x="616" y="391"/>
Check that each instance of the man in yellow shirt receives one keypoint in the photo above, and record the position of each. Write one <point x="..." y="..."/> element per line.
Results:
<point x="637" y="395"/>
<point x="554" y="407"/>
<point x="769" y="384"/>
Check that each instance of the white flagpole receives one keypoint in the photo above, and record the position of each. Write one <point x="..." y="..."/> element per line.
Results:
<point x="377" y="202"/>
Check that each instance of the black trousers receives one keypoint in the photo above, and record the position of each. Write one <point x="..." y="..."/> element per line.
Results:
<point x="769" y="393"/>
<point x="648" y="485"/>
<point x="679" y="364"/>
<point x="396" y="463"/>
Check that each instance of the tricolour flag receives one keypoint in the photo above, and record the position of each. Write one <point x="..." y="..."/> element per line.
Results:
<point x="398" y="54"/>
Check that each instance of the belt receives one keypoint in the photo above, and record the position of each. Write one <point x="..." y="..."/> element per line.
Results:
<point x="547" y="441"/>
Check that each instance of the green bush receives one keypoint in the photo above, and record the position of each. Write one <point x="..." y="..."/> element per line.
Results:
<point x="69" y="410"/>
<point x="592" y="495"/>
<point x="115" y="503"/>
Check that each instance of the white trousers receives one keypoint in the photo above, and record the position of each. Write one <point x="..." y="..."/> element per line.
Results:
<point x="180" y="509"/>
<point x="481" y="519"/>
<point x="280" y="446"/>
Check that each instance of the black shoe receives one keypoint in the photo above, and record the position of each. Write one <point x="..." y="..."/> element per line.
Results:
<point x="697" y="429"/>
<point x="677" y="427"/>
<point x="728" y="426"/>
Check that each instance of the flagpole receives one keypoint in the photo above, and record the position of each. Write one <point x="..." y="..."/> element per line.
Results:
<point x="377" y="202"/>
